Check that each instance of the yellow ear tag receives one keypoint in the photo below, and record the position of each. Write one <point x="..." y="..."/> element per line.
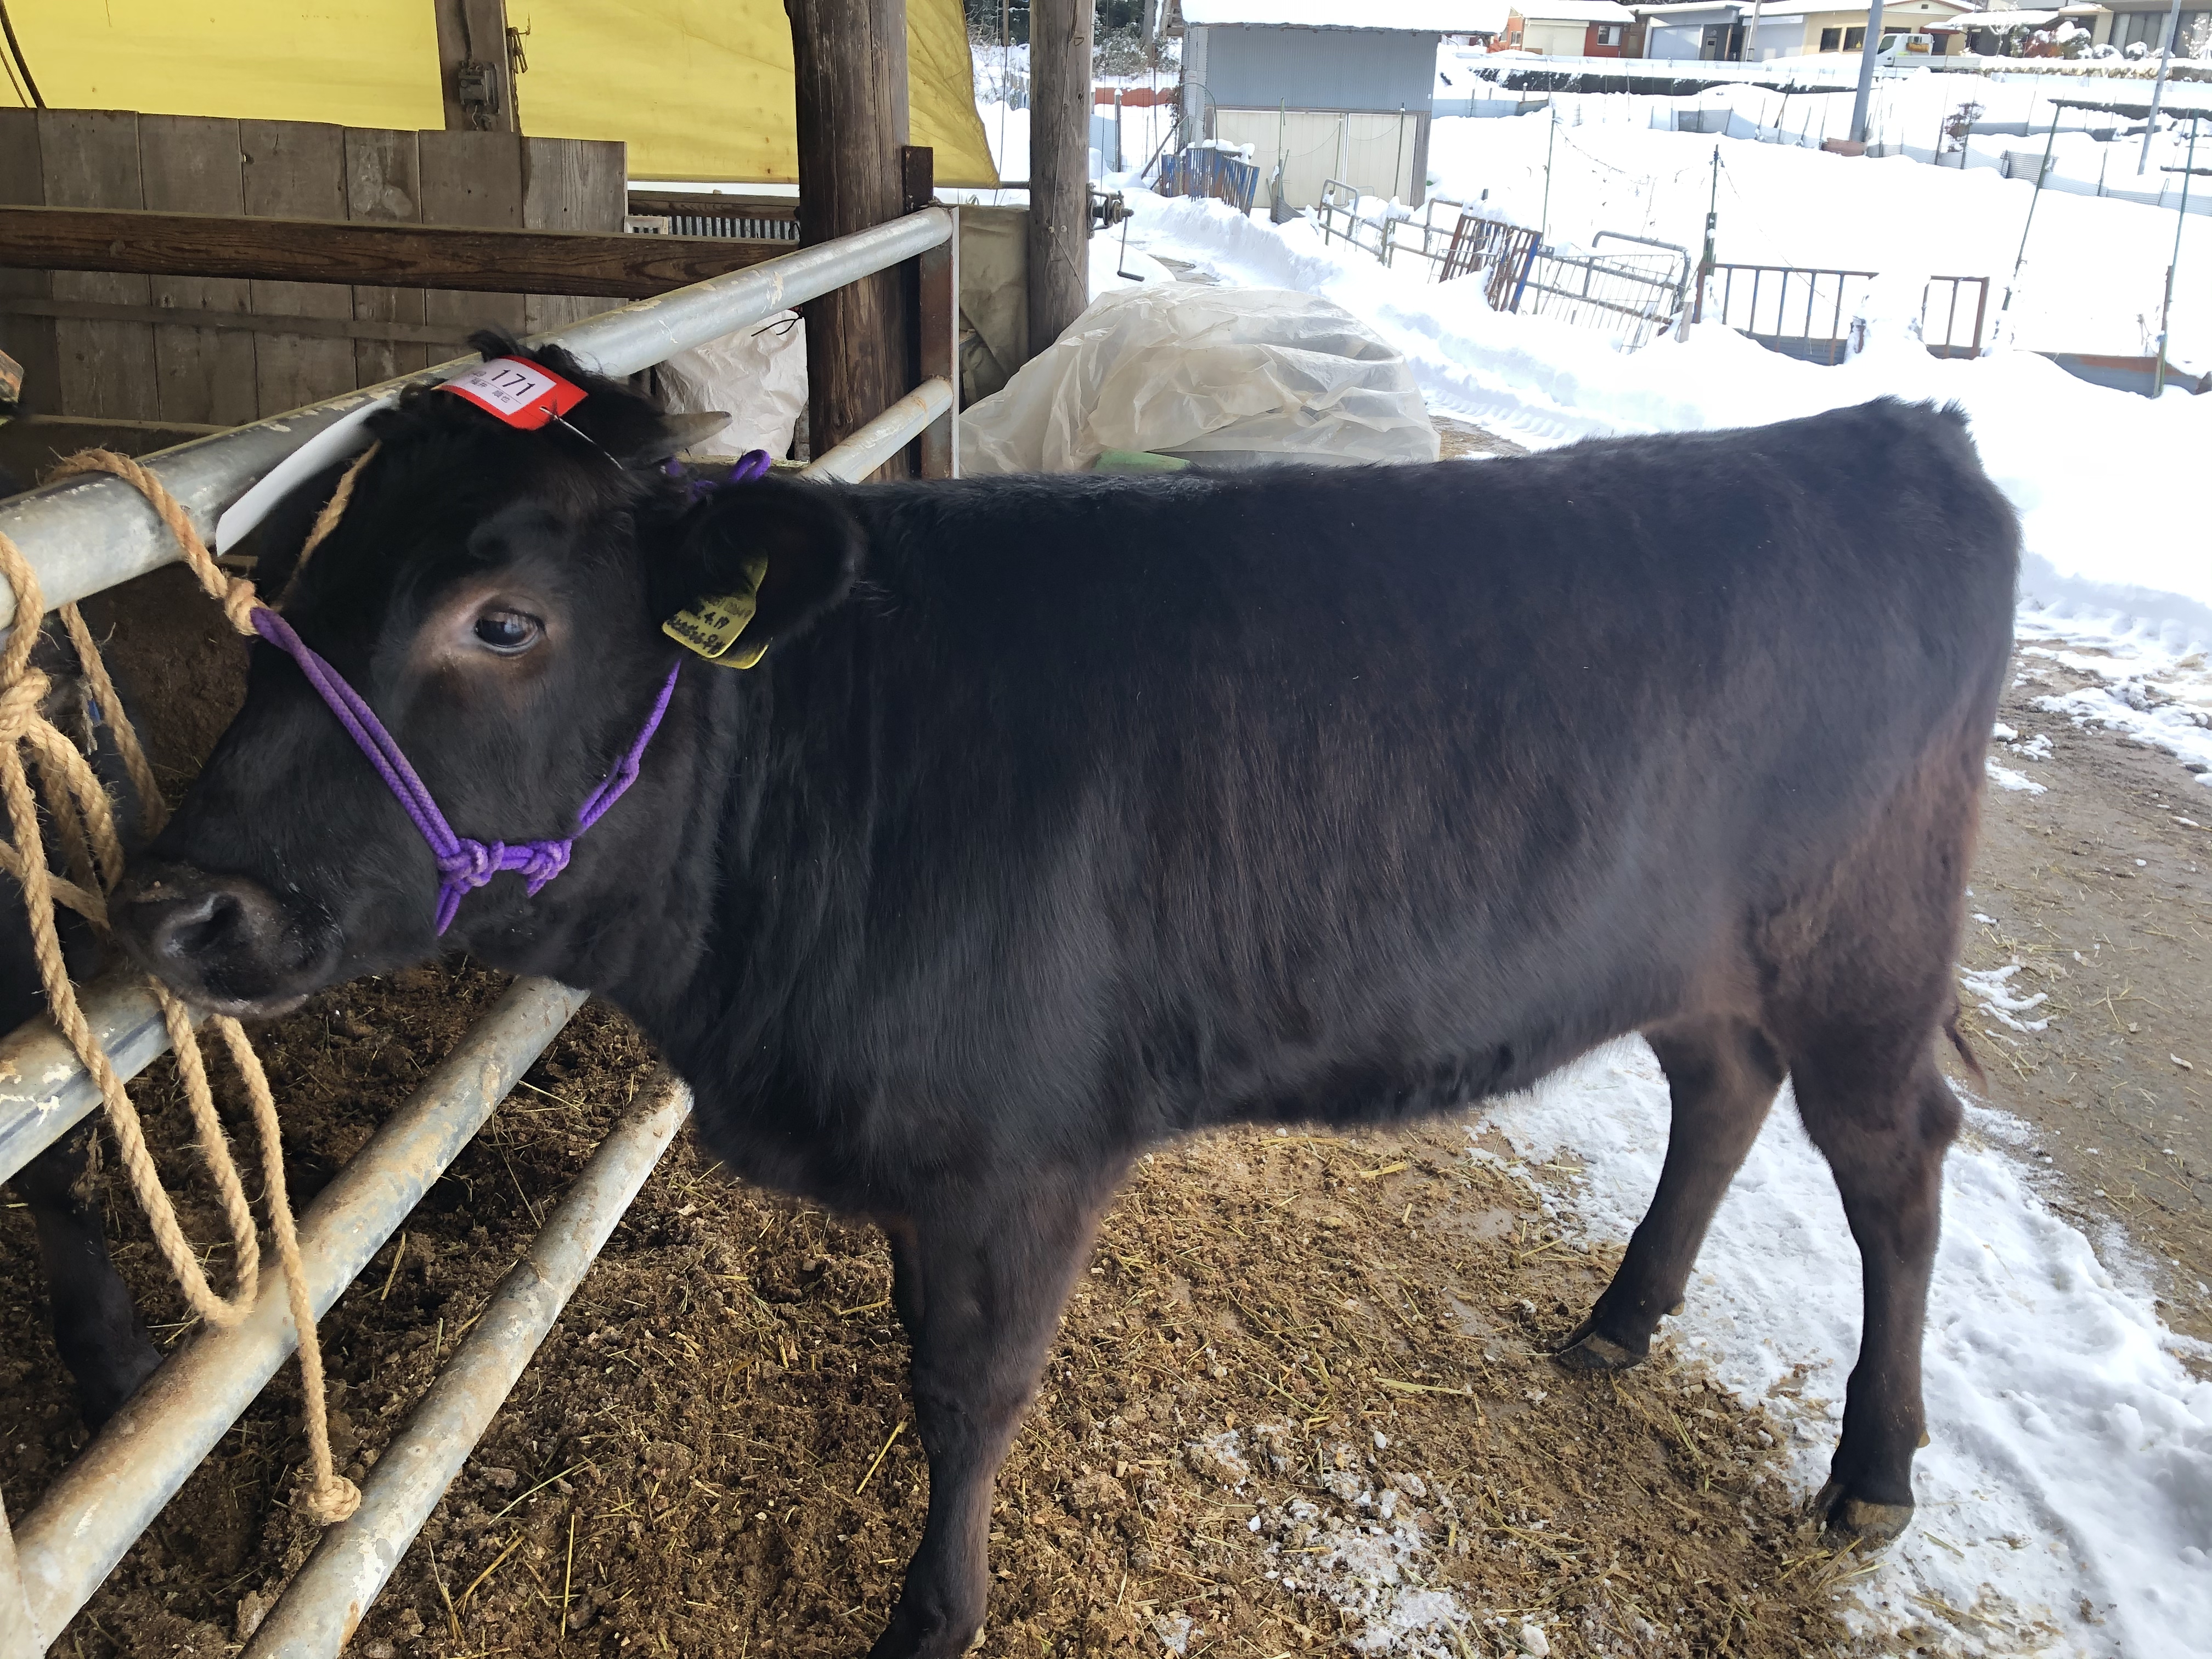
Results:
<point x="711" y="625"/>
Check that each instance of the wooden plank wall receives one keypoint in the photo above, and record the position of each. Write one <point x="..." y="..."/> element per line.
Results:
<point x="112" y="354"/>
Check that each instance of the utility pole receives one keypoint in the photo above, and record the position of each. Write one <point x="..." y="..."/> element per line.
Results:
<point x="1544" y="218"/>
<point x="849" y="82"/>
<point x="1060" y="167"/>
<point x="1869" y="47"/>
<point x="1750" y="54"/>
<point x="1712" y="225"/>
<point x="2041" y="173"/>
<point x="2157" y="91"/>
<point x="2166" y="308"/>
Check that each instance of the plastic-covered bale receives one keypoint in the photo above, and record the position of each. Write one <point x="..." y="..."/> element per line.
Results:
<point x="1219" y="376"/>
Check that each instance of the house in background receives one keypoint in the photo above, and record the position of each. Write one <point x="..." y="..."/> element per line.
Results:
<point x="1709" y="31"/>
<point x="1724" y="31"/>
<point x="1805" y="28"/>
<point x="1572" y="28"/>
<point x="1322" y="97"/>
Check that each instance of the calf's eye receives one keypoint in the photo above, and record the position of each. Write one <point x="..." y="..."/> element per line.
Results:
<point x="508" y="632"/>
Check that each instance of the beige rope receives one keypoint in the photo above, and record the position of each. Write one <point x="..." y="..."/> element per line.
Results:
<point x="82" y="808"/>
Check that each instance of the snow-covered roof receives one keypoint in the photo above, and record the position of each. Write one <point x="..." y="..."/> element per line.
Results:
<point x="1420" y="16"/>
<point x="1574" y="11"/>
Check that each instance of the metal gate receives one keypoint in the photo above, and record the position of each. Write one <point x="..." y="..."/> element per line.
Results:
<point x="86" y="534"/>
<point x="1807" y="312"/>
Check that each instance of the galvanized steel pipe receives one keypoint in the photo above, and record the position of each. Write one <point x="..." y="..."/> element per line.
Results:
<point x="45" y="1092"/>
<point x="884" y="436"/>
<point x="87" y="533"/>
<point x="323" y="1606"/>
<point x="119" y="1484"/>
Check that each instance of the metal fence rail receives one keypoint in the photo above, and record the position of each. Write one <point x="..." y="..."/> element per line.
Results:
<point x="85" y="534"/>
<point x="1493" y="250"/>
<point x="1796" y="310"/>
<point x="1428" y="235"/>
<point x="1951" y="345"/>
<point x="1807" y="312"/>
<point x="1633" y="297"/>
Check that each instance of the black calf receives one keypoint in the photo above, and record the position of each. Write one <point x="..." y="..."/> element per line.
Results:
<point x="1065" y="815"/>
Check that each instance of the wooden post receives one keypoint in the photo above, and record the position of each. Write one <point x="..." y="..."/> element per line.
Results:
<point x="1059" y="169"/>
<point x="848" y="63"/>
<point x="474" y="76"/>
<point x="935" y="310"/>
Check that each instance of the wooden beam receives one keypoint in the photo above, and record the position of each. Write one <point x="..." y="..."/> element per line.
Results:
<point x="476" y="80"/>
<point x="849" y="60"/>
<point x="1060" y="167"/>
<point x="369" y="255"/>
<point x="714" y="204"/>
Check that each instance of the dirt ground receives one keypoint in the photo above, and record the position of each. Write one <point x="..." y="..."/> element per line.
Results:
<point x="2100" y="888"/>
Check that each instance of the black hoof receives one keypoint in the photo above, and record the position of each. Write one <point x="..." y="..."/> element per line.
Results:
<point x="928" y="1635"/>
<point x="1855" y="1522"/>
<point x="1589" y="1350"/>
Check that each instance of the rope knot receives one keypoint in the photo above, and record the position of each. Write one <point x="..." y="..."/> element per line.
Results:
<point x="22" y="702"/>
<point x="332" y="1499"/>
<point x="543" y="861"/>
<point x="472" y="863"/>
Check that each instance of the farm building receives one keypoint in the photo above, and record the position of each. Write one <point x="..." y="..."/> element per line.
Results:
<point x="1319" y="98"/>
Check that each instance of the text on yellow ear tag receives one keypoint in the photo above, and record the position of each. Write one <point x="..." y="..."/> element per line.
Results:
<point x="709" y="626"/>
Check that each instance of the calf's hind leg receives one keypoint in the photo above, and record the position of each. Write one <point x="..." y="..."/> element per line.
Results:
<point x="1722" y="1075"/>
<point x="1884" y="1141"/>
<point x="982" y="1283"/>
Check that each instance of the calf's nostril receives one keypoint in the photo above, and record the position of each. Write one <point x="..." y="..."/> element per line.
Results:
<point x="195" y="926"/>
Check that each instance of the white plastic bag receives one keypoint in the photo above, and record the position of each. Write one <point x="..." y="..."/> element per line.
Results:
<point x="758" y="376"/>
<point x="1229" y="376"/>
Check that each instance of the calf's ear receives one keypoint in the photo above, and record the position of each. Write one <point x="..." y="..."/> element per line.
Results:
<point x="751" y="568"/>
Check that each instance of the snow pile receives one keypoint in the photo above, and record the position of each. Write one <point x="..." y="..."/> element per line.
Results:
<point x="2092" y="544"/>
<point x="2065" y="1499"/>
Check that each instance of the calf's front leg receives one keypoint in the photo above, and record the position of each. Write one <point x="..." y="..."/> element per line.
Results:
<point x="983" y="1281"/>
<point x="97" y="1330"/>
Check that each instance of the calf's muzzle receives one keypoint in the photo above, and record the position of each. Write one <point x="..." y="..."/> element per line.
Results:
<point x="219" y="942"/>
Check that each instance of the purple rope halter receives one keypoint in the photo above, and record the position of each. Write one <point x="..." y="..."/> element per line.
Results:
<point x="463" y="863"/>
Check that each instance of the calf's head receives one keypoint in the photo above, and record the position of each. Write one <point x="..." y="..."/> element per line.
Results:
<point x="497" y="596"/>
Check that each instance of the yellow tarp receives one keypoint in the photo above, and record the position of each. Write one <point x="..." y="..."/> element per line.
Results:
<point x="699" y="90"/>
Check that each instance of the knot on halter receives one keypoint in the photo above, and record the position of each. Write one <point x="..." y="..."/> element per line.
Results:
<point x="473" y="863"/>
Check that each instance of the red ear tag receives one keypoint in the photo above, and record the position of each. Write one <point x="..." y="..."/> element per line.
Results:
<point x="521" y="394"/>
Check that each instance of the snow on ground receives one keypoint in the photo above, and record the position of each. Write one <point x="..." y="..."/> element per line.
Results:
<point x="2092" y="282"/>
<point x="2065" y="1497"/>
<point x="2090" y="154"/>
